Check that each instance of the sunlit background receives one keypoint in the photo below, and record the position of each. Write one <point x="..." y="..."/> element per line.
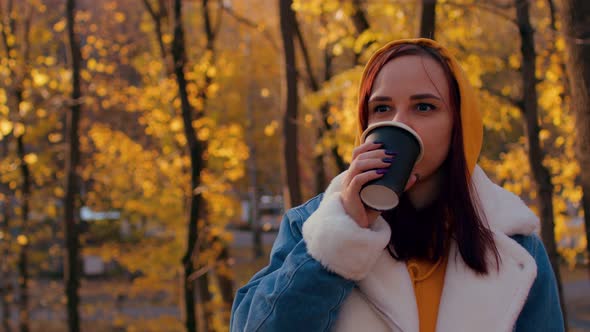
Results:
<point x="155" y="145"/>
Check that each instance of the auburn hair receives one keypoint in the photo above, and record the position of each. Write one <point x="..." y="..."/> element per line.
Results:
<point x="455" y="212"/>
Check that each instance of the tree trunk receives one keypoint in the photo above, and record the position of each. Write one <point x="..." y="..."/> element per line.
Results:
<point x="71" y="266"/>
<point x="204" y="300"/>
<point x="226" y="285"/>
<point x="23" y="279"/>
<point x="535" y="153"/>
<point x="576" y="23"/>
<point x="253" y="219"/>
<point x="361" y="24"/>
<point x="224" y="280"/>
<point x="196" y="149"/>
<point x="4" y="268"/>
<point x="428" y="20"/>
<point x="290" y="151"/>
<point x="17" y="97"/>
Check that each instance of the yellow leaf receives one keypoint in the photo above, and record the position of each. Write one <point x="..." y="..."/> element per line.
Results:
<point x="19" y="129"/>
<point x="31" y="158"/>
<point x="58" y="192"/>
<point x="59" y="26"/>
<point x="212" y="89"/>
<point x="176" y="125"/>
<point x="49" y="61"/>
<point x="560" y="44"/>
<point x="167" y="38"/>
<point x="337" y="50"/>
<point x="5" y="127"/>
<point x="54" y="137"/>
<point x="39" y="79"/>
<point x="269" y="130"/>
<point x="203" y="134"/>
<point x="24" y="107"/>
<point x="101" y="91"/>
<point x="10" y="40"/>
<point x="91" y="64"/>
<point x="212" y="71"/>
<point x="22" y="240"/>
<point x="51" y="211"/>
<point x="120" y="17"/>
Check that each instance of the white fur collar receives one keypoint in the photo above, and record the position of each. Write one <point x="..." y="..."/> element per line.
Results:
<point x="469" y="302"/>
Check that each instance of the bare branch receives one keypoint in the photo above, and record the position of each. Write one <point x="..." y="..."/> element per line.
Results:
<point x="26" y="33"/>
<point x="5" y="26"/>
<point x="218" y="19"/>
<point x="251" y="24"/>
<point x="313" y="83"/>
<point x="512" y="101"/>
<point x="496" y="10"/>
<point x="151" y="10"/>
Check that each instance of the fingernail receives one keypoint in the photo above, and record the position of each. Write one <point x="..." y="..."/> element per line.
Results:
<point x="382" y="171"/>
<point x="377" y="142"/>
<point x="387" y="160"/>
<point x="390" y="152"/>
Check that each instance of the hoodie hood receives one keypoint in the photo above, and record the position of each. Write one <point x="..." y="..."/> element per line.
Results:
<point x="471" y="119"/>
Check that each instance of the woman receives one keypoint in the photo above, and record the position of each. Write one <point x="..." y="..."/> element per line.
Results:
<point x="458" y="253"/>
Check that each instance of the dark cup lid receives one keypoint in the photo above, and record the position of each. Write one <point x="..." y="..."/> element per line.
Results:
<point x="395" y="124"/>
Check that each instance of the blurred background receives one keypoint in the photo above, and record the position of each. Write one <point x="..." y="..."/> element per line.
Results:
<point x="148" y="148"/>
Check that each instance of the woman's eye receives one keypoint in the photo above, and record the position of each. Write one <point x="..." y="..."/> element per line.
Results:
<point x="381" y="108"/>
<point x="423" y="107"/>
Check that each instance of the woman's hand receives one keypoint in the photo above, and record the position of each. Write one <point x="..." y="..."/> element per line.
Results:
<point x="368" y="163"/>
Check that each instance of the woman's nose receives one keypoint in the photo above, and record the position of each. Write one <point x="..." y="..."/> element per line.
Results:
<point x="402" y="116"/>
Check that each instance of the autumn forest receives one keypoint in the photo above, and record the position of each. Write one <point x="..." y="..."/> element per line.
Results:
<point x="148" y="148"/>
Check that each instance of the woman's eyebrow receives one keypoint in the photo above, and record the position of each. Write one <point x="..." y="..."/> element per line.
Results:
<point x="424" y="96"/>
<point x="380" y="98"/>
<point x="413" y="97"/>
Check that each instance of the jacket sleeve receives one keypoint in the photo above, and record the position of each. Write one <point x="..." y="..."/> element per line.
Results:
<point x="542" y="310"/>
<point x="296" y="292"/>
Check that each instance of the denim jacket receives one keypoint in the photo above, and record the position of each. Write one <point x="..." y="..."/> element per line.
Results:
<point x="327" y="274"/>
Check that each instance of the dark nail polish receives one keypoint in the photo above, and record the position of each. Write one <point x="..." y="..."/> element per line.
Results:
<point x="390" y="152"/>
<point x="387" y="160"/>
<point x="382" y="171"/>
<point x="377" y="142"/>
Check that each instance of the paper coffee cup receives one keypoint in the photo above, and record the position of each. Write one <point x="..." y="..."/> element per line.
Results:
<point x="383" y="193"/>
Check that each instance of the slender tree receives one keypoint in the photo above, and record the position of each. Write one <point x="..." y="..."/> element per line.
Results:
<point x="71" y="208"/>
<point x="428" y="19"/>
<point x="290" y="151"/>
<point x="361" y="24"/>
<point x="576" y="23"/>
<point x="197" y="210"/>
<point x="5" y="287"/>
<point x="535" y="153"/>
<point x="196" y="149"/>
<point x="18" y="74"/>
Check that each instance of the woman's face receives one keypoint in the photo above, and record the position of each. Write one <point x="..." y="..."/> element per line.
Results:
<point x="413" y="89"/>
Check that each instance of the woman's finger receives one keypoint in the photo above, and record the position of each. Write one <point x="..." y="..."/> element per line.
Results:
<point x="367" y="146"/>
<point x="361" y="179"/>
<point x="377" y="153"/>
<point x="361" y="166"/>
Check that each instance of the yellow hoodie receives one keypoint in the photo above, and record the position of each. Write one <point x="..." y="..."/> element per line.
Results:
<point x="428" y="277"/>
